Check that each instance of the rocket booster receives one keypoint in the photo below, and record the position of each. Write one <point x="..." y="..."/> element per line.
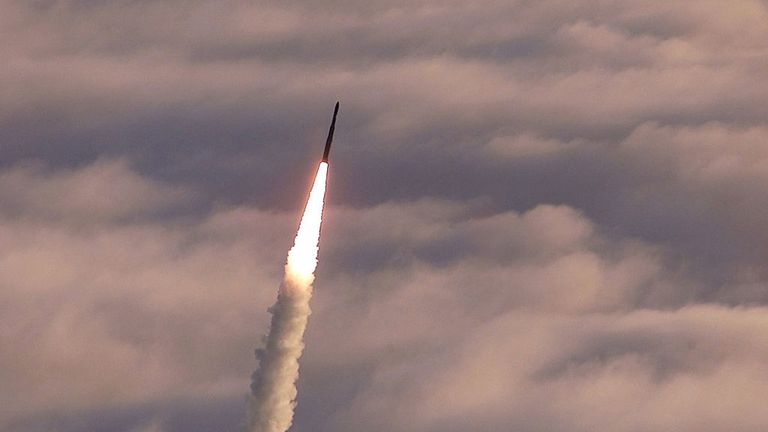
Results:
<point x="330" y="134"/>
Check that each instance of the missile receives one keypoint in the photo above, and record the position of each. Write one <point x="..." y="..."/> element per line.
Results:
<point x="330" y="135"/>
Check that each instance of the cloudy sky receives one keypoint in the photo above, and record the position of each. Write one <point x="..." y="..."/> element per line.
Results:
<point x="544" y="215"/>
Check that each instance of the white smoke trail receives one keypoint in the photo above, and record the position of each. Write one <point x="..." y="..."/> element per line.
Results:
<point x="273" y="385"/>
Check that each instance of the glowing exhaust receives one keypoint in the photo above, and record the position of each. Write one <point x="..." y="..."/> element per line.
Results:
<point x="273" y="385"/>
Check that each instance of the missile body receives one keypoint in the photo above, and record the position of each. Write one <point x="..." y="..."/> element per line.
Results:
<point x="330" y="134"/>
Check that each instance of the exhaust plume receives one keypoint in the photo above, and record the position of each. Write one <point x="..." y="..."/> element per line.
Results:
<point x="273" y="385"/>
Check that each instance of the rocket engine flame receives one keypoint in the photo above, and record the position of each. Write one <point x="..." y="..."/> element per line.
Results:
<point x="273" y="385"/>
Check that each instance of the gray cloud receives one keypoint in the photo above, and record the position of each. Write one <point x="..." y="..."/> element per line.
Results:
<point x="103" y="191"/>
<point x="642" y="370"/>
<point x="544" y="215"/>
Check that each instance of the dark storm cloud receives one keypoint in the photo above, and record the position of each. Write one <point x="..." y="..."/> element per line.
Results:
<point x="545" y="215"/>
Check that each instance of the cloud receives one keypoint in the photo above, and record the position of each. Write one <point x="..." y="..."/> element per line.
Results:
<point x="544" y="215"/>
<point x="127" y="311"/>
<point x="106" y="190"/>
<point x="646" y="369"/>
<point x="153" y="426"/>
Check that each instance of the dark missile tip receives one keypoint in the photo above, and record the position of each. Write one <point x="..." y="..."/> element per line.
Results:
<point x="330" y="134"/>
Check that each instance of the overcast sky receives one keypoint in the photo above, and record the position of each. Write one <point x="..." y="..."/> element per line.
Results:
<point x="544" y="215"/>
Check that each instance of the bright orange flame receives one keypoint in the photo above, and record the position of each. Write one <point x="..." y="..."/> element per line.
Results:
<point x="302" y="258"/>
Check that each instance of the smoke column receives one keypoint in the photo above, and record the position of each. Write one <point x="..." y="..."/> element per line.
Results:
<point x="273" y="385"/>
